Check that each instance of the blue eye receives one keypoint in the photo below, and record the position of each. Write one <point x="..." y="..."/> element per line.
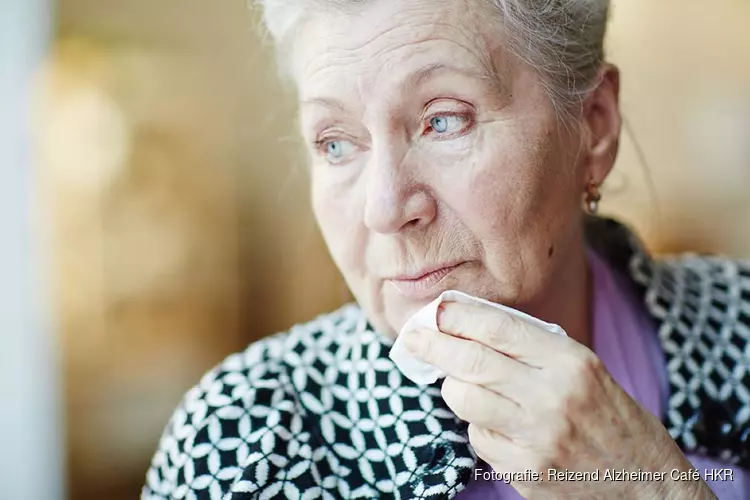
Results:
<point x="451" y="124"/>
<point x="439" y="124"/>
<point x="336" y="150"/>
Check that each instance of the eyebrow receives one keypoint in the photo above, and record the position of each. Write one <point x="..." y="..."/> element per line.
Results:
<point x="327" y="102"/>
<point x="419" y="76"/>
<point x="415" y="79"/>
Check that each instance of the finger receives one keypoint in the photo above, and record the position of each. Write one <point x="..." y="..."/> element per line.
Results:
<point x="499" y="330"/>
<point x="495" y="449"/>
<point x="480" y="406"/>
<point x="474" y="363"/>
<point x="503" y="454"/>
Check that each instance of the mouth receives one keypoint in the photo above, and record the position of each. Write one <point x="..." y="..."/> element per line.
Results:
<point x="423" y="283"/>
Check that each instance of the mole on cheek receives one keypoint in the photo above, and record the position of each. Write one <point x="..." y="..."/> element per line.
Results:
<point x="551" y="251"/>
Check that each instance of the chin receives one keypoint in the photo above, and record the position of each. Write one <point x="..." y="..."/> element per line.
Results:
<point x="384" y="327"/>
<point x="397" y="310"/>
<point x="393" y="306"/>
<point x="390" y="314"/>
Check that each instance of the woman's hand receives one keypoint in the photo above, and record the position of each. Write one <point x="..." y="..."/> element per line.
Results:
<point x="536" y="400"/>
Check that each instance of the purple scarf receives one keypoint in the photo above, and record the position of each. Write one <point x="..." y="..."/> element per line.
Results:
<point x="625" y="340"/>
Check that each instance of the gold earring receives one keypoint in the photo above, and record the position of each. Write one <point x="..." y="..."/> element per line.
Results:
<point x="592" y="198"/>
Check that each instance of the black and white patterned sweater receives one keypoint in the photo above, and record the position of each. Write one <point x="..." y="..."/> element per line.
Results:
<point x="321" y="411"/>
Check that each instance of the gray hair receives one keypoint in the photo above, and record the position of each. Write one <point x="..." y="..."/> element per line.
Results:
<point x="562" y="40"/>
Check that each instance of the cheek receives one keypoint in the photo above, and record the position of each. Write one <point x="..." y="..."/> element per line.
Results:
<point x="515" y="198"/>
<point x="520" y="180"/>
<point x="339" y="220"/>
<point x="320" y="204"/>
<point x="326" y="208"/>
<point x="502" y="179"/>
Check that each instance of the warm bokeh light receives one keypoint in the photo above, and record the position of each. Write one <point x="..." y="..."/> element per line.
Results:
<point x="175" y="201"/>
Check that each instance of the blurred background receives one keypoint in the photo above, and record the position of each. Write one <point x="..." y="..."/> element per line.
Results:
<point x="155" y="200"/>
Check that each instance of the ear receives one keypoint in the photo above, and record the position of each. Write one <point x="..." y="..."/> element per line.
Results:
<point x="602" y="121"/>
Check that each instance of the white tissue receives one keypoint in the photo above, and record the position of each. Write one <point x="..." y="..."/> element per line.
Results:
<point x="423" y="373"/>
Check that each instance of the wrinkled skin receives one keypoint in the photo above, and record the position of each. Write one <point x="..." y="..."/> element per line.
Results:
<point x="500" y="189"/>
<point x="431" y="145"/>
<point x="535" y="400"/>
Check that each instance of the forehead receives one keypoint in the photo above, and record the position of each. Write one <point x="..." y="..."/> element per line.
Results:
<point x="386" y="41"/>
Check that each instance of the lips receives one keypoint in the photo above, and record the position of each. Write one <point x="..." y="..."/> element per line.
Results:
<point x="427" y="273"/>
<point x="425" y="282"/>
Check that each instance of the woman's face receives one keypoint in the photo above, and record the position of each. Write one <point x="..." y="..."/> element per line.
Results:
<point x="438" y="162"/>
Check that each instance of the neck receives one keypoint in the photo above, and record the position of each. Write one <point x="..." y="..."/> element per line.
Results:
<point x="567" y="301"/>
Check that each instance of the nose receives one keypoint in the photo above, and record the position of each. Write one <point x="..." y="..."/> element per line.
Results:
<point x="395" y="199"/>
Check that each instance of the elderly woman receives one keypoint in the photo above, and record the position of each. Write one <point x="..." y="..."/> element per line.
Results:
<point x="460" y="145"/>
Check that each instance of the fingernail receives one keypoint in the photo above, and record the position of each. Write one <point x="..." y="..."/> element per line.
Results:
<point x="413" y="340"/>
<point x="440" y="314"/>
